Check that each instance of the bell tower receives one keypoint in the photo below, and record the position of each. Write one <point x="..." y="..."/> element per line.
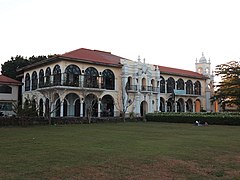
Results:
<point x="203" y="67"/>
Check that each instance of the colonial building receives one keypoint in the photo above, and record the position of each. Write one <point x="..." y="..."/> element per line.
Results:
<point x="142" y="86"/>
<point x="69" y="84"/>
<point x="8" y="95"/>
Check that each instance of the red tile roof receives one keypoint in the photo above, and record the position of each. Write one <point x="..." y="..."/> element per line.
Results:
<point x="8" y="80"/>
<point x="180" y="72"/>
<point x="93" y="56"/>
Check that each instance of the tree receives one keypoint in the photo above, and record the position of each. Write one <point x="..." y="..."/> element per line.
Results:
<point x="124" y="101"/>
<point x="9" y="67"/>
<point x="29" y="108"/>
<point x="50" y="95"/>
<point x="228" y="89"/>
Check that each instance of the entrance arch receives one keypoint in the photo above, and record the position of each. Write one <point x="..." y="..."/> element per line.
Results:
<point x="162" y="105"/>
<point x="107" y="106"/>
<point x="70" y="108"/>
<point x="180" y="105"/>
<point x="189" y="105"/>
<point x="91" y="104"/>
<point x="170" y="105"/>
<point x="197" y="105"/>
<point x="143" y="108"/>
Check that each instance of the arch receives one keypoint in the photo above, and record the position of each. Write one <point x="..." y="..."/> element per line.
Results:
<point x="180" y="84"/>
<point x="70" y="102"/>
<point x="144" y="84"/>
<point x="5" y="89"/>
<point x="57" y="75"/>
<point x="91" y="105"/>
<point x="170" y="85"/>
<point x="77" y="106"/>
<point x="153" y="83"/>
<point x="189" y="105"/>
<point x="206" y="71"/>
<point x="170" y="105"/>
<point x="200" y="70"/>
<point x="162" y="105"/>
<point x="162" y="85"/>
<point x="72" y="72"/>
<point x="41" y="78"/>
<point x="197" y="105"/>
<point x="108" y="79"/>
<point x="27" y="82"/>
<point x="41" y="107"/>
<point x="143" y="108"/>
<point x="34" y="80"/>
<point x="91" y="78"/>
<point x="48" y="76"/>
<point x="189" y="87"/>
<point x="180" y="105"/>
<point x="197" y="88"/>
<point x="107" y="106"/>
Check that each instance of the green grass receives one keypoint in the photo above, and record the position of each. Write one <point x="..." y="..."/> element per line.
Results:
<point x="120" y="151"/>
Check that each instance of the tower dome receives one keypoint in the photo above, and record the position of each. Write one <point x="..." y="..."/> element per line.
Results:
<point x="203" y="59"/>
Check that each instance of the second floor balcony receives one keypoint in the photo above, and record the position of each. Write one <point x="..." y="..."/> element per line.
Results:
<point x="77" y="81"/>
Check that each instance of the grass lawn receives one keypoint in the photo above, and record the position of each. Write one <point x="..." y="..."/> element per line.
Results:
<point x="120" y="151"/>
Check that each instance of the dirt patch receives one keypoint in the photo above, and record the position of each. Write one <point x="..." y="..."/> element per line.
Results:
<point x="160" y="168"/>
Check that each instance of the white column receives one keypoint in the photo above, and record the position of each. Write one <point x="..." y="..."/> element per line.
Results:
<point x="44" y="106"/>
<point x="165" y="106"/>
<point x="137" y="109"/>
<point x="193" y="106"/>
<point x="61" y="109"/>
<point x="185" y="106"/>
<point x="81" y="108"/>
<point x="165" y="87"/>
<point x="150" y="104"/>
<point x="99" y="108"/>
<point x="62" y="79"/>
<point x="175" y="106"/>
<point x="158" y="102"/>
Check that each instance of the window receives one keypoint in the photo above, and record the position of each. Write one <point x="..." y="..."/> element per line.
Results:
<point x="34" y="80"/>
<point x="57" y="75"/>
<point x="197" y="88"/>
<point x="48" y="76"/>
<point x="41" y="78"/>
<point x="27" y="82"/>
<point x="4" y="106"/>
<point x="108" y="79"/>
<point x="170" y="85"/>
<point x="162" y="85"/>
<point x="91" y="78"/>
<point x="5" y="89"/>
<point x="180" y="84"/>
<point x="72" y="72"/>
<point x="189" y="87"/>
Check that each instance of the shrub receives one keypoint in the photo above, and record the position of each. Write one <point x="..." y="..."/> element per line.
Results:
<point x="210" y="118"/>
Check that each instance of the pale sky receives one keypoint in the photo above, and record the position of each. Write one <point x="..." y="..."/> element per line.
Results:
<point x="165" y="32"/>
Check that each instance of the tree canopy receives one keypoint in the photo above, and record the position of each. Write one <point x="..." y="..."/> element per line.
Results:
<point x="9" y="67"/>
<point x="228" y="89"/>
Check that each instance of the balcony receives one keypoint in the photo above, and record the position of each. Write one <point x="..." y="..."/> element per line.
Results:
<point x="131" y="88"/>
<point x="150" y="89"/>
<point x="71" y="82"/>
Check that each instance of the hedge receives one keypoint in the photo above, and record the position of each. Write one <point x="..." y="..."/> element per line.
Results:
<point x="28" y="121"/>
<point x="210" y="118"/>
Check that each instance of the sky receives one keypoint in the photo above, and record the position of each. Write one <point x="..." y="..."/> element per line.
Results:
<point x="165" y="32"/>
